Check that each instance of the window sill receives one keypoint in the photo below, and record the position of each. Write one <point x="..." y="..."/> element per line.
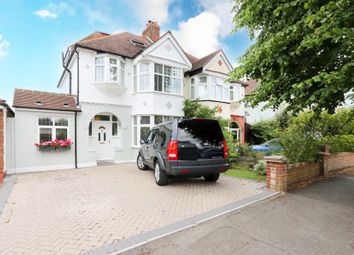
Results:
<point x="115" y="83"/>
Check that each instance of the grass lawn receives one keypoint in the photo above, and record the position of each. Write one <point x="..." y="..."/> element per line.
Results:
<point x="243" y="171"/>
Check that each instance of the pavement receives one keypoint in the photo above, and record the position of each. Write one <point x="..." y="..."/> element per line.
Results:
<point x="79" y="211"/>
<point x="316" y="220"/>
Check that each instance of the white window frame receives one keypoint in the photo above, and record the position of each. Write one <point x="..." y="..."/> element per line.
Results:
<point x="53" y="127"/>
<point x="180" y="78"/>
<point x="106" y="73"/>
<point x="118" y="126"/>
<point x="152" y="124"/>
<point x="139" y="73"/>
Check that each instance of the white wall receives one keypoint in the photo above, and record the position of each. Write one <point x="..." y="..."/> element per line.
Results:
<point x="27" y="157"/>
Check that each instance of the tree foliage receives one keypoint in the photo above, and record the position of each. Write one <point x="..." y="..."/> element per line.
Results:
<point x="303" y="52"/>
<point x="194" y="109"/>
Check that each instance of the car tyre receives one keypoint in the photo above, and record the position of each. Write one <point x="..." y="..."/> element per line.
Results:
<point x="211" y="177"/>
<point x="140" y="163"/>
<point x="161" y="178"/>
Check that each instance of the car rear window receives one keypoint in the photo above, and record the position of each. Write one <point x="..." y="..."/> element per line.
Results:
<point x="201" y="132"/>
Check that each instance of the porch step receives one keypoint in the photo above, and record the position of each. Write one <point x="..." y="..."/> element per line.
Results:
<point x="105" y="162"/>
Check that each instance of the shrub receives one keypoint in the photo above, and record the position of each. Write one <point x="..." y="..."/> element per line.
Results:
<point x="243" y="150"/>
<point x="340" y="143"/>
<point x="261" y="167"/>
<point x="263" y="131"/>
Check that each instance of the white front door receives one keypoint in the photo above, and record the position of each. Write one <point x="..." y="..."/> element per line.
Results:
<point x="103" y="140"/>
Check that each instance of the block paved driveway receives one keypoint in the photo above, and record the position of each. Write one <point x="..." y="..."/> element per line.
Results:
<point x="75" y="211"/>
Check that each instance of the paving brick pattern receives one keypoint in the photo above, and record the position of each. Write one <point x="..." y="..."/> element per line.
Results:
<point x="75" y="211"/>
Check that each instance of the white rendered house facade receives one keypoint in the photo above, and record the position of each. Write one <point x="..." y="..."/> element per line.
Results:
<point x="122" y="85"/>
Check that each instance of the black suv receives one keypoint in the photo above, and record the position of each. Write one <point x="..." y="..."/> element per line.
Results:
<point x="189" y="147"/>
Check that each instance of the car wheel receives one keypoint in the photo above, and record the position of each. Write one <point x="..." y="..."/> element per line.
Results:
<point x="160" y="175"/>
<point x="211" y="177"/>
<point x="140" y="163"/>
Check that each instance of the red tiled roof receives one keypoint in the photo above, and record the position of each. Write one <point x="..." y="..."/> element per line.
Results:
<point x="121" y="44"/>
<point x="44" y="100"/>
<point x="203" y="61"/>
<point x="252" y="85"/>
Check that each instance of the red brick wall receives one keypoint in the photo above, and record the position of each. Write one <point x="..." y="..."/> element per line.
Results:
<point x="240" y="120"/>
<point x="302" y="172"/>
<point x="1" y="145"/>
<point x="338" y="161"/>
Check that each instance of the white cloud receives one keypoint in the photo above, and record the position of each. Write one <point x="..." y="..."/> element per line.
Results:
<point x="46" y="14"/>
<point x="54" y="10"/>
<point x="199" y="35"/>
<point x="3" y="47"/>
<point x="152" y="10"/>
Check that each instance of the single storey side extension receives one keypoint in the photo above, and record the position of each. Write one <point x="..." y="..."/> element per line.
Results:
<point x="43" y="117"/>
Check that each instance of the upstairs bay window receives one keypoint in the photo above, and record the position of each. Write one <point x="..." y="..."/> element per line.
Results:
<point x="108" y="69"/>
<point x="144" y="77"/>
<point x="167" y="79"/>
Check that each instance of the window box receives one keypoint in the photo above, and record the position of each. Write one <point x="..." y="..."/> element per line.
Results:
<point x="56" y="145"/>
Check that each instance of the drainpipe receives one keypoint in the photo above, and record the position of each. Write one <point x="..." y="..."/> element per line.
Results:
<point x="75" y="144"/>
<point x="77" y="101"/>
<point x="66" y="69"/>
<point x="78" y="77"/>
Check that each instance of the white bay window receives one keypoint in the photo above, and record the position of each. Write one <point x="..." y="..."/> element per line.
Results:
<point x="109" y="69"/>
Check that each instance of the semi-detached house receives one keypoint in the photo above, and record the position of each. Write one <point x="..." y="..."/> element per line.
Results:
<point x="114" y="89"/>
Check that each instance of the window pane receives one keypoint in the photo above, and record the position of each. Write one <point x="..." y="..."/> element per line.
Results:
<point x="114" y="118"/>
<point x="176" y="86"/>
<point x="61" y="134"/>
<point x="213" y="91"/>
<point x="102" y="118"/>
<point x="114" y="128"/>
<point x="144" y="119"/>
<point x="61" y="122"/>
<point x="113" y="73"/>
<point x="45" y="134"/>
<point x="168" y="70"/>
<point x="158" y="119"/>
<point x="144" y="68"/>
<point x="144" y="82"/>
<point x="135" y="120"/>
<point x="176" y="72"/>
<point x="99" y="61"/>
<point x="219" y="92"/>
<point x="203" y="79"/>
<point x="99" y="74"/>
<point x="45" y="122"/>
<point x="113" y="61"/>
<point x="167" y="84"/>
<point x="158" y="82"/>
<point x="202" y="91"/>
<point x="231" y="95"/>
<point x="144" y="132"/>
<point x="158" y="68"/>
<point x="168" y="118"/>
<point x="192" y="81"/>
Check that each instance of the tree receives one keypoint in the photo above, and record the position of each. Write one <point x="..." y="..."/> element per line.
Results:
<point x="303" y="52"/>
<point x="193" y="109"/>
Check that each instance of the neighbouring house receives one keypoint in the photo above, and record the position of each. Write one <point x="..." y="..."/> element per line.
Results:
<point x="6" y="138"/>
<point x="115" y="88"/>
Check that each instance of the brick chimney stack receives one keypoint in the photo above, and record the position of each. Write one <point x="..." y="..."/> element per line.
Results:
<point x="152" y="30"/>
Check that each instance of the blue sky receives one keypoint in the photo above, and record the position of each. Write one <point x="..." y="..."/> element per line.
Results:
<point x="34" y="33"/>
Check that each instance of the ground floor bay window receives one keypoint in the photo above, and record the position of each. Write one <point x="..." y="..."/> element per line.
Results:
<point x="143" y="123"/>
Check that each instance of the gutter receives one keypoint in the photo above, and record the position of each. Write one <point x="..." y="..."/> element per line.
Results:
<point x="75" y="144"/>
<point x="78" y="77"/>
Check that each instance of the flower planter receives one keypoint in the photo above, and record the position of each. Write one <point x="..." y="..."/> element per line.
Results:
<point x="54" y="146"/>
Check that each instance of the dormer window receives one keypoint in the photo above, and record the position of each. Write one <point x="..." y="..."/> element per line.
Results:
<point x="138" y="44"/>
<point x="109" y="70"/>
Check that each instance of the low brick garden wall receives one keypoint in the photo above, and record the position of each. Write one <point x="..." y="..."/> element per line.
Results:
<point x="280" y="174"/>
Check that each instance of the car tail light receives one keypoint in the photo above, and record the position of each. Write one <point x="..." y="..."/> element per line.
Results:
<point x="225" y="149"/>
<point x="172" y="150"/>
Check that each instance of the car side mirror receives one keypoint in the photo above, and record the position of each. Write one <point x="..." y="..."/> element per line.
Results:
<point x="142" y="141"/>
